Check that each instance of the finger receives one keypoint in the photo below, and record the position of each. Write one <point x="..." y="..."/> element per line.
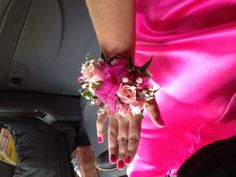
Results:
<point x="100" y="123"/>
<point x="123" y="130"/>
<point x="112" y="139"/>
<point x="133" y="141"/>
<point x="154" y="113"/>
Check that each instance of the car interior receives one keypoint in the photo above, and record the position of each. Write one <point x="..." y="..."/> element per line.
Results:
<point x="42" y="46"/>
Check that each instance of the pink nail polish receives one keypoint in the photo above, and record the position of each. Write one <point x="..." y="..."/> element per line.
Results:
<point x="120" y="164"/>
<point x="99" y="139"/>
<point x="127" y="160"/>
<point x="113" y="159"/>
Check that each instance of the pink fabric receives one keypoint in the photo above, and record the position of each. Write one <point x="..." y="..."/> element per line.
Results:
<point x="194" y="48"/>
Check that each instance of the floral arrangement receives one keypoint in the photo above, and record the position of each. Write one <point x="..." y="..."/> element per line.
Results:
<point x="116" y="84"/>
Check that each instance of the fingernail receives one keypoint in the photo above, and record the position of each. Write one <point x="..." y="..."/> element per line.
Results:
<point x="120" y="164"/>
<point x="161" y="124"/>
<point x="113" y="159"/>
<point x="99" y="139"/>
<point x="127" y="160"/>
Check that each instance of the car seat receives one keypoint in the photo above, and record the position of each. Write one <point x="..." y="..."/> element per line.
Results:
<point x="42" y="46"/>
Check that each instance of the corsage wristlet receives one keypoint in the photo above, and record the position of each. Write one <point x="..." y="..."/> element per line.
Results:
<point x="116" y="84"/>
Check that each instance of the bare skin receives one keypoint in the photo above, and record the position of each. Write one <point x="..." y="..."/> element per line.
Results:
<point x="114" y="25"/>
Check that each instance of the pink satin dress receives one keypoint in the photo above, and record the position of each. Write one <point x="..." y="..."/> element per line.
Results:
<point x="194" y="47"/>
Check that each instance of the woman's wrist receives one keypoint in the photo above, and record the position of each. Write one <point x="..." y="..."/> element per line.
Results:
<point x="119" y="51"/>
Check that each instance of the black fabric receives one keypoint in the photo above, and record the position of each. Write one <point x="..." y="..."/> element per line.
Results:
<point x="42" y="150"/>
<point x="6" y="169"/>
<point x="214" y="160"/>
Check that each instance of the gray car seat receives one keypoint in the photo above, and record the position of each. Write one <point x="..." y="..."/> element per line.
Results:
<point x="47" y="128"/>
<point x="42" y="46"/>
<point x="43" y="43"/>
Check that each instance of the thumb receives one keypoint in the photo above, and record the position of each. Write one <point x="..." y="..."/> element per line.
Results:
<point x="154" y="113"/>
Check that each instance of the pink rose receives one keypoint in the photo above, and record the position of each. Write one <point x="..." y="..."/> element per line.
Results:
<point x="80" y="79"/>
<point x="91" y="70"/>
<point x="127" y="93"/>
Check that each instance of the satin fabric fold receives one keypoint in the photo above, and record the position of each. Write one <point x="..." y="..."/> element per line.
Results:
<point x="194" y="49"/>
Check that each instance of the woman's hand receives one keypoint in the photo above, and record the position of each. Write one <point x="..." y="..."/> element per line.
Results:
<point x="114" y="23"/>
<point x="124" y="133"/>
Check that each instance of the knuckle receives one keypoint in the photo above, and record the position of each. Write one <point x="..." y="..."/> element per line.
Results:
<point x="133" y="139"/>
<point x="130" y="152"/>
<point x="121" y="155"/>
<point x="123" y="139"/>
<point x="112" y="133"/>
<point x="112" y="149"/>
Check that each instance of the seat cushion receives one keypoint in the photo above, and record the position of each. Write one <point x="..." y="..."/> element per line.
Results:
<point x="41" y="150"/>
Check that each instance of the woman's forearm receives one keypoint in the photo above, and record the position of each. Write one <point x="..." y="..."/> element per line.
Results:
<point x="114" y="25"/>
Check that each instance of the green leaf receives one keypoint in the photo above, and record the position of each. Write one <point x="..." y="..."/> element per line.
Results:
<point x="147" y="74"/>
<point x="146" y="65"/>
<point x="87" y="93"/>
<point x="102" y="55"/>
<point x="120" y="101"/>
<point x="130" y="62"/>
<point x="88" y="55"/>
<point x="94" y="97"/>
<point x="110" y="59"/>
<point x="140" y="115"/>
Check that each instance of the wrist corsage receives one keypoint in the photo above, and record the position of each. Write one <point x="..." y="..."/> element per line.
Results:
<point x="116" y="84"/>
